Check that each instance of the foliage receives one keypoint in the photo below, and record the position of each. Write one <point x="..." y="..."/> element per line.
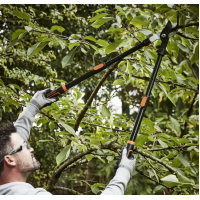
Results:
<point x="47" y="45"/>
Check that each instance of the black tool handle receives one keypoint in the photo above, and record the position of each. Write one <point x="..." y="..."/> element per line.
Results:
<point x="95" y="70"/>
<point x="145" y="99"/>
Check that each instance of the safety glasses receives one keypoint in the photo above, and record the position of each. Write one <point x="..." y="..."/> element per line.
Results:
<point x="17" y="149"/>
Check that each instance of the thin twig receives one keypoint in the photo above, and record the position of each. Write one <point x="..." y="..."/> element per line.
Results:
<point x="178" y="33"/>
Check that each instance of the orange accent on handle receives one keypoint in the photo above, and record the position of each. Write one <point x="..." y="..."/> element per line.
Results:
<point x="143" y="102"/>
<point x="98" y="66"/>
<point x="129" y="152"/>
<point x="131" y="142"/>
<point x="64" y="88"/>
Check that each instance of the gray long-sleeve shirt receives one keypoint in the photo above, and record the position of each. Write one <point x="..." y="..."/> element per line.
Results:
<point x="23" y="125"/>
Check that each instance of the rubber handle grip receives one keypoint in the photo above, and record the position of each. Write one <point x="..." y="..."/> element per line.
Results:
<point x="130" y="147"/>
<point x="56" y="92"/>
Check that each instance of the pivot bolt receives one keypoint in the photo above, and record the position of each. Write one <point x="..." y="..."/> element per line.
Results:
<point x="163" y="35"/>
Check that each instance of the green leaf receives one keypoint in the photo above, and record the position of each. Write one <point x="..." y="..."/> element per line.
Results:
<point x="17" y="33"/>
<point x="170" y="180"/>
<point x="112" y="47"/>
<point x="36" y="48"/>
<point x="90" y="38"/>
<point x="195" y="55"/>
<point x="102" y="43"/>
<point x="105" y="111"/>
<point x="67" y="60"/>
<point x="118" y="82"/>
<point x="67" y="128"/>
<point x="183" y="160"/>
<point x="141" y="139"/>
<point x="63" y="155"/>
<point x="28" y="28"/>
<point x="99" y="22"/>
<point x="58" y="28"/>
<point x="184" y="179"/>
<point x="164" y="90"/>
<point x="175" y="125"/>
<point x="89" y="157"/>
<point x="110" y="158"/>
<point x="158" y="188"/>
<point x="193" y="79"/>
<point x="98" y="16"/>
<point x="51" y="126"/>
<point x="71" y="45"/>
<point x="145" y="31"/>
<point x="78" y="93"/>
<point x="163" y="144"/>
<point x="183" y="48"/>
<point x="149" y="123"/>
<point x="21" y="15"/>
<point x="61" y="133"/>
<point x="83" y="50"/>
<point x="99" y="10"/>
<point x="139" y="21"/>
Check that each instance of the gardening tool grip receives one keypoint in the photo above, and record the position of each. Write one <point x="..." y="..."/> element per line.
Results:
<point x="56" y="92"/>
<point x="130" y="147"/>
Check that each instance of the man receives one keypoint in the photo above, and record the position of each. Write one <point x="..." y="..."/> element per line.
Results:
<point x="17" y="160"/>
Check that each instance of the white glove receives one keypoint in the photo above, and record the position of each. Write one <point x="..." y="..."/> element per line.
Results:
<point x="40" y="101"/>
<point x="127" y="163"/>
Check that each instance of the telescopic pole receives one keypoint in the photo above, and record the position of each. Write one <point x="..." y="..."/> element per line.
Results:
<point x="143" y="105"/>
<point x="95" y="70"/>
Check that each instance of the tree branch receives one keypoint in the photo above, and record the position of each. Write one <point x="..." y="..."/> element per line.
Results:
<point x="183" y="26"/>
<point x="89" y="101"/>
<point x="109" y="145"/>
<point x="66" y="189"/>
<point x="56" y="174"/>
<point x="158" y="81"/>
<point x="178" y="33"/>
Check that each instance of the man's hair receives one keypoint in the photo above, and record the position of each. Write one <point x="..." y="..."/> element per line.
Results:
<point x="6" y="128"/>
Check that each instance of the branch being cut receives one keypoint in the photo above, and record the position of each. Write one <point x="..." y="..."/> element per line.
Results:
<point x="89" y="101"/>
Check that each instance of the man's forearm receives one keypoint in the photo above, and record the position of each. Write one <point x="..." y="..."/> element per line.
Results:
<point x="118" y="184"/>
<point x="25" y="121"/>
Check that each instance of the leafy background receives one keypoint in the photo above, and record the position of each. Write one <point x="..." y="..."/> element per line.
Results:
<point x="45" y="46"/>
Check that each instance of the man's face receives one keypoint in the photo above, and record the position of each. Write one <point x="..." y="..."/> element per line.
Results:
<point x="26" y="162"/>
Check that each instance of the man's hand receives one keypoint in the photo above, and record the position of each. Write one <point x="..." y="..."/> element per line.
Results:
<point x="40" y="101"/>
<point x="128" y="163"/>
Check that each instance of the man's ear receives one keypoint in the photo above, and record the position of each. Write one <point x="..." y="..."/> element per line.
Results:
<point x="10" y="160"/>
